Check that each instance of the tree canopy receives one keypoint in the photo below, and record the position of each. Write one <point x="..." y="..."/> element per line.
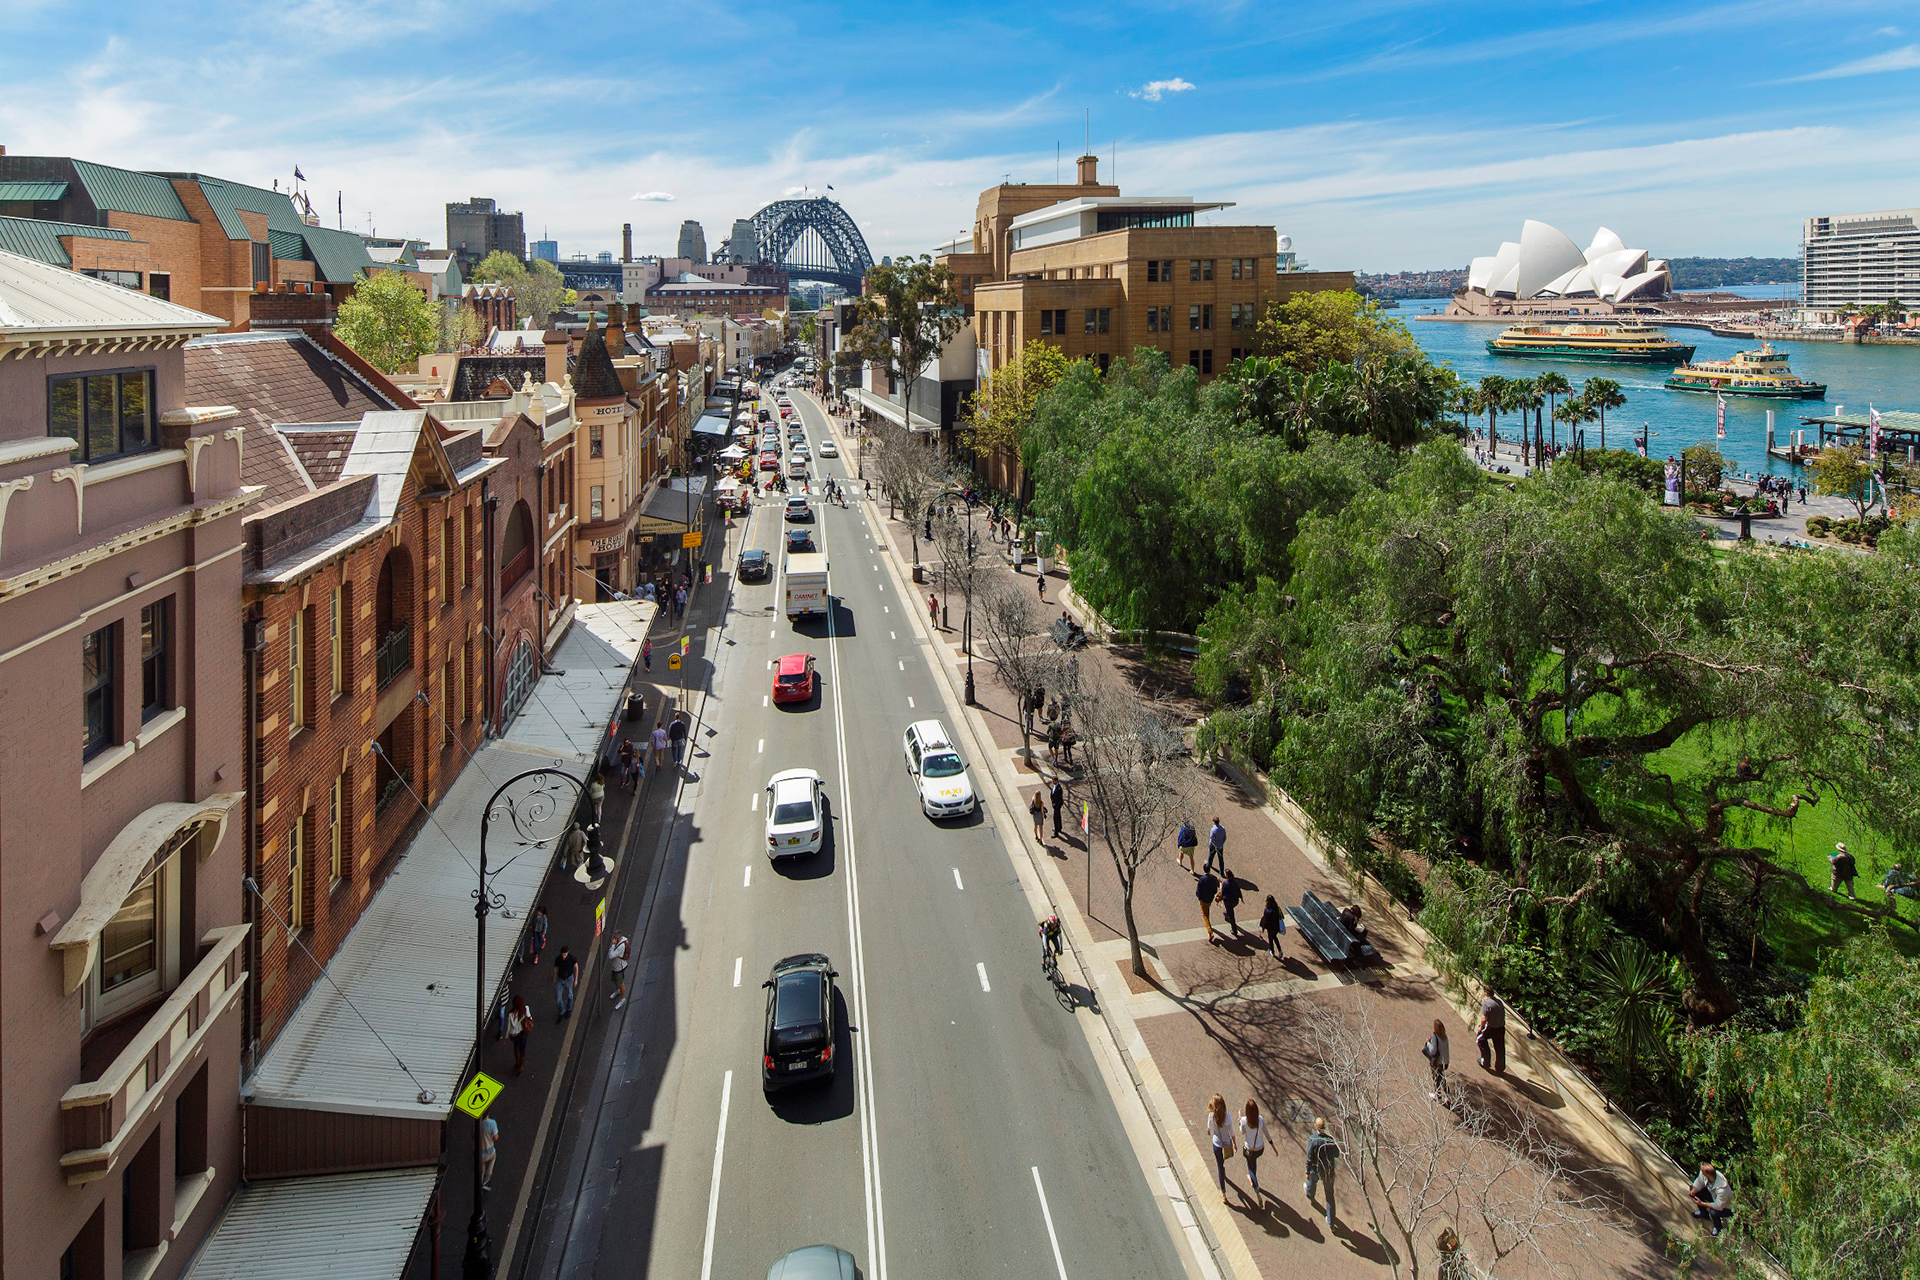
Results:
<point x="1308" y="330"/>
<point x="1003" y="408"/>
<point x="908" y="311"/>
<point x="388" y="321"/>
<point x="539" y="290"/>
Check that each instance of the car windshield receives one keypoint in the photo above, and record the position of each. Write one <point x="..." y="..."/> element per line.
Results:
<point x="793" y="677"/>
<point x="792" y="813"/>
<point x="941" y="764"/>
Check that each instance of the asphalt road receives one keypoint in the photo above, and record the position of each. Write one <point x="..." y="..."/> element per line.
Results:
<point x="968" y="1131"/>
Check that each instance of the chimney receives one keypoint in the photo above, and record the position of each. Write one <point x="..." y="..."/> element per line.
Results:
<point x="556" y="353"/>
<point x="626" y="242"/>
<point x="304" y="308"/>
<point x="1089" y="171"/>
<point x="616" y="330"/>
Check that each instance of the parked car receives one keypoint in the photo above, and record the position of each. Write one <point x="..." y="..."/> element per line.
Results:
<point x="938" y="772"/>
<point x="801" y="1022"/>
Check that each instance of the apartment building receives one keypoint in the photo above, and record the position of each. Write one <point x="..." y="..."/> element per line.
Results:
<point x="204" y="242"/>
<point x="127" y="977"/>
<point x="1098" y="273"/>
<point x="1849" y="259"/>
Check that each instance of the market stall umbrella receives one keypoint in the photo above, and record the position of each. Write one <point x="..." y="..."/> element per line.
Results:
<point x="733" y="452"/>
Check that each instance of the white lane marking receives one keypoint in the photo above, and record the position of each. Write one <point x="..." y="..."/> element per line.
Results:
<point x="763" y="699"/>
<point x="746" y="881"/>
<point x="755" y="806"/>
<point x="713" y="1191"/>
<point x="876" y="568"/>
<point x="956" y="884"/>
<point x="903" y="664"/>
<point x="736" y="969"/>
<point x="771" y="633"/>
<point x="1048" y="1215"/>
<point x="893" y="635"/>
<point x="886" y="608"/>
<point x="763" y="741"/>
<point x="909" y="704"/>
<point x="981" y="968"/>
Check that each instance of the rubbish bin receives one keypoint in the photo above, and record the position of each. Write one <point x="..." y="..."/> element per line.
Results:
<point x="636" y="706"/>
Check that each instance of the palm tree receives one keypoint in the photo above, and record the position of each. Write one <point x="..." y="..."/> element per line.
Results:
<point x="1466" y="403"/>
<point x="1631" y="984"/>
<point x="1512" y="392"/>
<point x="1552" y="384"/>
<point x="1574" y="412"/>
<point x="1527" y="399"/>
<point x="1486" y="399"/>
<point x="1602" y="394"/>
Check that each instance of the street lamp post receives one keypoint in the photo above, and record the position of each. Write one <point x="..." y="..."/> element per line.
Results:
<point x="966" y="622"/>
<point x="528" y="801"/>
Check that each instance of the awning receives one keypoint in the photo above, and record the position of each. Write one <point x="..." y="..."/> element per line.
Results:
<point x="889" y="410"/>
<point x="669" y="503"/>
<point x="152" y="837"/>
<point x="405" y="967"/>
<point x="711" y="424"/>
<point x="355" y="1226"/>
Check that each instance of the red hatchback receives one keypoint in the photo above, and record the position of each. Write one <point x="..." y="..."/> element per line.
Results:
<point x="769" y="462"/>
<point x="794" y="679"/>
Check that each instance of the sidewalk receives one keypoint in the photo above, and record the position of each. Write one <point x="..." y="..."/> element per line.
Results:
<point x="1230" y="1019"/>
<point x="629" y="825"/>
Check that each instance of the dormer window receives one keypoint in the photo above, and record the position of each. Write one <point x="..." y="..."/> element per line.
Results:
<point x="108" y="414"/>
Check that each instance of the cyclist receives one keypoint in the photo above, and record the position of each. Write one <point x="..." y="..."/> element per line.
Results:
<point x="1052" y="942"/>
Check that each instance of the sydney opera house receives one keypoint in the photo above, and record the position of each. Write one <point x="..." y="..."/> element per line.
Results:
<point x="1545" y="272"/>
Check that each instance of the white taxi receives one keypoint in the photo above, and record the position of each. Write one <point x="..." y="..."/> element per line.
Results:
<point x="937" y="771"/>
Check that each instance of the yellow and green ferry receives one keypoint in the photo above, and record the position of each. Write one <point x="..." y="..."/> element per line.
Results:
<point x="1747" y="373"/>
<point x="1599" y="344"/>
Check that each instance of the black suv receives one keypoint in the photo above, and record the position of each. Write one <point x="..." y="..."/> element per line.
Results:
<point x="800" y="1022"/>
<point x="755" y="566"/>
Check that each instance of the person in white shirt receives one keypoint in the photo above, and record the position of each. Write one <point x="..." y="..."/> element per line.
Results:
<point x="1439" y="1056"/>
<point x="617" y="968"/>
<point x="1220" y="1134"/>
<point x="1253" y="1142"/>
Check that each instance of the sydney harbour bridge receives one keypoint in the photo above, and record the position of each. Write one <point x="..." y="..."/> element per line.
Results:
<point x="811" y="239"/>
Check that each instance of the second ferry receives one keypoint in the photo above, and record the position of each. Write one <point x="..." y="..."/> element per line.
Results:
<point x="1747" y="373"/>
<point x="1600" y="344"/>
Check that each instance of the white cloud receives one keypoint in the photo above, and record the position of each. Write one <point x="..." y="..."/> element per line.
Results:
<point x="1154" y="90"/>
<point x="1906" y="58"/>
<point x="656" y="197"/>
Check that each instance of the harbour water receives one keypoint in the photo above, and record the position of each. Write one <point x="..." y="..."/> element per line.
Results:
<point x="1856" y="377"/>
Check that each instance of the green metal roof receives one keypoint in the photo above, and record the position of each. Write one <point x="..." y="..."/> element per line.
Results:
<point x="32" y="190"/>
<point x="32" y="238"/>
<point x="124" y="191"/>
<point x="340" y="255"/>
<point x="288" y="246"/>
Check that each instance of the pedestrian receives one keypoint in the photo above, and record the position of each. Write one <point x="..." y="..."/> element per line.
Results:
<point x="1207" y="888"/>
<point x="1185" y="841"/>
<point x="1220" y="1131"/>
<point x="1039" y="811"/>
<point x="1490" y="1036"/>
<point x="1273" y="923"/>
<point x="1323" y="1157"/>
<point x="629" y="764"/>
<point x="1040" y="580"/>
<point x="617" y="969"/>
<point x="489" y="1147"/>
<point x="1438" y="1055"/>
<point x="1053" y="739"/>
<point x="597" y="796"/>
<point x="677" y="736"/>
<point x="573" y="847"/>
<point x="933" y="611"/>
<point x="537" y="934"/>
<point x="1841" y="863"/>
<point x="1712" y="1197"/>
<point x="1217" y="846"/>
<point x="1230" y="901"/>
<point x="1059" y="798"/>
<point x="679" y="602"/>
<point x="566" y="980"/>
<point x="646" y="646"/>
<point x="519" y="1025"/>
<point x="1253" y="1143"/>
<point x="659" y="741"/>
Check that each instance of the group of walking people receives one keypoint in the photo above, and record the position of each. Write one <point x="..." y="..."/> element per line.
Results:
<point x="1247" y="1135"/>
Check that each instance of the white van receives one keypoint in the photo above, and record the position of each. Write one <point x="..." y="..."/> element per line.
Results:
<point x="806" y="584"/>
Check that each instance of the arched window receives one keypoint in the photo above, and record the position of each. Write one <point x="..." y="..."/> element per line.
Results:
<point x="516" y="548"/>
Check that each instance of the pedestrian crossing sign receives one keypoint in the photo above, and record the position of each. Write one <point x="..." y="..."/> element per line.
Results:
<point x="673" y="661"/>
<point x="478" y="1095"/>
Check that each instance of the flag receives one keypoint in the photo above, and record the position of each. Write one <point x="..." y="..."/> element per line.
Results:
<point x="1720" y="428"/>
<point x="1083" y="817"/>
<point x="297" y="175"/>
<point x="829" y="186"/>
<point x="1873" y="436"/>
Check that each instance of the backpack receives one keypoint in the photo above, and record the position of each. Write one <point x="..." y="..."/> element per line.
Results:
<point x="1323" y="1153"/>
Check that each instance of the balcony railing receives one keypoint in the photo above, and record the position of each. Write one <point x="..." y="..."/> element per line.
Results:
<point x="96" y="1115"/>
<point x="394" y="655"/>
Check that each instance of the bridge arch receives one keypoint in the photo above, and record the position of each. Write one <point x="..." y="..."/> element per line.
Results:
<point x="825" y="245"/>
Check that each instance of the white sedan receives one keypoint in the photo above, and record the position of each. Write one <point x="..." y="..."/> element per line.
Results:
<point x="796" y="813"/>
<point x="938" y="772"/>
<point x="828" y="449"/>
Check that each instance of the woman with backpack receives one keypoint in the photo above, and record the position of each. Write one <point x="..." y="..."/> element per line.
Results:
<point x="1438" y="1057"/>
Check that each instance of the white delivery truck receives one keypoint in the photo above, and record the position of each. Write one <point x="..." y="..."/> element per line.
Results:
<point x="806" y="579"/>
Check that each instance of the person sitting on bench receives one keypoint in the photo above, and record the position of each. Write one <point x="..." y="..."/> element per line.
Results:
<point x="1350" y="917"/>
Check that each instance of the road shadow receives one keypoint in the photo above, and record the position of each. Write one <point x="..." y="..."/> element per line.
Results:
<point x="832" y="1099"/>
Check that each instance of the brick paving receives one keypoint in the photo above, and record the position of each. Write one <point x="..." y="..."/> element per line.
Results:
<point x="1227" y="1017"/>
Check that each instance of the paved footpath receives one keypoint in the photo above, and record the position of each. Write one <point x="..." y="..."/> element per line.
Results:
<point x="1228" y="1018"/>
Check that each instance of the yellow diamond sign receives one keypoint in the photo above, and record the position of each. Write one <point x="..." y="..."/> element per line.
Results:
<point x="478" y="1095"/>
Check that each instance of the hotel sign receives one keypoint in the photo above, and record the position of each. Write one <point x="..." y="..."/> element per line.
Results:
<point x="609" y="544"/>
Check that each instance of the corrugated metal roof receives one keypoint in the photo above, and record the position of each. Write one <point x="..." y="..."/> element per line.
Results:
<point x="287" y="245"/>
<point x="383" y="448"/>
<point x="355" y="1226"/>
<point x="38" y="239"/>
<point x="340" y="255"/>
<point x="32" y="190"/>
<point x="125" y="191"/>
<point x="406" y="965"/>
<point x="38" y="300"/>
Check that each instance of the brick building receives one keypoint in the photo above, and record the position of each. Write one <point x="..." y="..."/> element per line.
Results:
<point x="201" y="241"/>
<point x="125" y="952"/>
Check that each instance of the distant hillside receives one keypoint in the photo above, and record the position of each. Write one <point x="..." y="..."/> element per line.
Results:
<point x="1723" y="273"/>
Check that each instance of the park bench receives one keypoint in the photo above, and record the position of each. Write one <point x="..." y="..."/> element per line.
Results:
<point x="1320" y="924"/>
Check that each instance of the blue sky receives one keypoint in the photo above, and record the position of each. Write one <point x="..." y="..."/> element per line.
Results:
<point x="1380" y="134"/>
